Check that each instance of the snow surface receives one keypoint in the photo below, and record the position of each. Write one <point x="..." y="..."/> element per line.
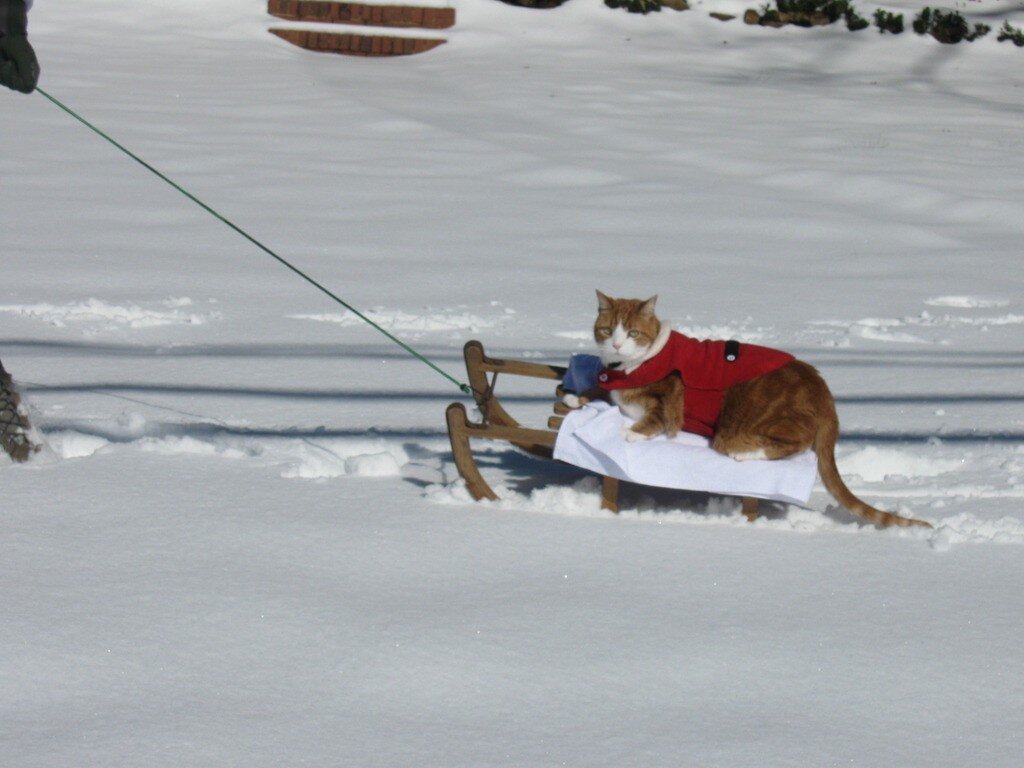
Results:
<point x="247" y="544"/>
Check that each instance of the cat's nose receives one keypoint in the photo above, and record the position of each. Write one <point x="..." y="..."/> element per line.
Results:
<point x="616" y="346"/>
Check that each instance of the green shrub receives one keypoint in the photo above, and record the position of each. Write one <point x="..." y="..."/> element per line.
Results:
<point x="948" y="26"/>
<point x="636" y="6"/>
<point x="980" y="30"/>
<point x="768" y="15"/>
<point x="944" y="26"/>
<point x="832" y="9"/>
<point x="809" y="13"/>
<point x="889" y="22"/>
<point x="1011" y="33"/>
<point x="854" y="21"/>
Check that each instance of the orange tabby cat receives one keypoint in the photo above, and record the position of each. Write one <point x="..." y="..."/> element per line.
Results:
<point x="751" y="402"/>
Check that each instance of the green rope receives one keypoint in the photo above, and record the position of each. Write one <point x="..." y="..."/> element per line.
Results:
<point x="464" y="387"/>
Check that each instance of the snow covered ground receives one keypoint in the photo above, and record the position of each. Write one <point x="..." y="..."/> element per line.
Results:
<point x="247" y="545"/>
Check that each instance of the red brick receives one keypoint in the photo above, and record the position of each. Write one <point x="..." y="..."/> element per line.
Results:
<point x="362" y="13"/>
<point x="284" y="9"/>
<point x="356" y="45"/>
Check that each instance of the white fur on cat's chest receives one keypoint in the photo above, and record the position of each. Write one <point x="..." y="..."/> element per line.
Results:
<point x="632" y="410"/>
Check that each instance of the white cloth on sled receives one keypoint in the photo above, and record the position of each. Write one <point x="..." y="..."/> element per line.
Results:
<point x="591" y="437"/>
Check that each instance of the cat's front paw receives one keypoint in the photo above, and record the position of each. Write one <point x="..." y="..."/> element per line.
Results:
<point x="632" y="436"/>
<point x="571" y="400"/>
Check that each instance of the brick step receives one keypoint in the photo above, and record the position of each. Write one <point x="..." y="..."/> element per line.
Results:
<point x="351" y="44"/>
<point x="326" y="12"/>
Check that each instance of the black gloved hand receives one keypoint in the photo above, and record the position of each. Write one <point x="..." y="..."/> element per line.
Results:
<point x="18" y="66"/>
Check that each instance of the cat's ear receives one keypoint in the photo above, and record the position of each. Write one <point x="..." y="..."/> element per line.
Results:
<point x="647" y="308"/>
<point x="604" y="303"/>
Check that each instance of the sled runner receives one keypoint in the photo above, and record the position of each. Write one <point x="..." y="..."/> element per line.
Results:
<point x="497" y="424"/>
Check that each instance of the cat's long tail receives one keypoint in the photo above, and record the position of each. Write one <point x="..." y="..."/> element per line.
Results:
<point x="824" y="446"/>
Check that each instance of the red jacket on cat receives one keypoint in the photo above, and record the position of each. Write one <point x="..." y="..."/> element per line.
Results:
<point x="707" y="368"/>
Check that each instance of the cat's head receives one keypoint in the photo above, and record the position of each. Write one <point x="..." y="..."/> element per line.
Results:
<point x="625" y="329"/>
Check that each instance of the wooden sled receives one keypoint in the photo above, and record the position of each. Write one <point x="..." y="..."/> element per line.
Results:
<point x="497" y="424"/>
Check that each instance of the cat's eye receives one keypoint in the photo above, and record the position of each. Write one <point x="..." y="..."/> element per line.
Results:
<point x="634" y="334"/>
<point x="605" y="331"/>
